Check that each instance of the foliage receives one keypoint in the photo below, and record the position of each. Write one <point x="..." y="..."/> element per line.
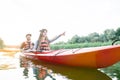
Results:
<point x="79" y="45"/>
<point x="108" y="35"/>
<point x="92" y="40"/>
<point x="113" y="71"/>
<point x="1" y="43"/>
<point x="117" y="33"/>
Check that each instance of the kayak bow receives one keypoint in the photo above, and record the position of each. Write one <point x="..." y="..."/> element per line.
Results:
<point x="95" y="57"/>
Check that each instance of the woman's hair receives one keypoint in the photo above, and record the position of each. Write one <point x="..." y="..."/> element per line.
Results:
<point x="41" y="34"/>
<point x="43" y="30"/>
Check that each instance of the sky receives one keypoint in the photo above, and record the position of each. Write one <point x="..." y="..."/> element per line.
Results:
<point x="81" y="17"/>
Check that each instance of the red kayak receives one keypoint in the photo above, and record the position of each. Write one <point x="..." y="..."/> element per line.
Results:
<point x="94" y="57"/>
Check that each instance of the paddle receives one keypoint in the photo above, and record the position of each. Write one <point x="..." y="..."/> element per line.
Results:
<point x="62" y="50"/>
<point x="115" y="41"/>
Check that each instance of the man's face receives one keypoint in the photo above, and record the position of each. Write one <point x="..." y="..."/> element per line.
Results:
<point x="28" y="37"/>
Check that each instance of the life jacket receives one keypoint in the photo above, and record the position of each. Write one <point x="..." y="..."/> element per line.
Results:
<point x="42" y="73"/>
<point x="44" y="45"/>
<point x="28" y="45"/>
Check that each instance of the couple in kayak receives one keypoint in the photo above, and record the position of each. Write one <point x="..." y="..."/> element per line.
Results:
<point x="42" y="44"/>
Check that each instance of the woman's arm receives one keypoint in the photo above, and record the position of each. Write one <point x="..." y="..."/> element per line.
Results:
<point x="35" y="45"/>
<point x="57" y="37"/>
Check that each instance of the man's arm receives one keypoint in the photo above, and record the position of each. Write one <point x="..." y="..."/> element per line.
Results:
<point x="22" y="45"/>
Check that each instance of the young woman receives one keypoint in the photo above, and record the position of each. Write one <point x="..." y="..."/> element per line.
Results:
<point x="43" y="43"/>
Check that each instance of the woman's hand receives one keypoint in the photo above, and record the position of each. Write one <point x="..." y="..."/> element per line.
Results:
<point x="63" y="34"/>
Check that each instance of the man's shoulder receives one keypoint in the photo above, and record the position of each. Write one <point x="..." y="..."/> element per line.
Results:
<point x="23" y="43"/>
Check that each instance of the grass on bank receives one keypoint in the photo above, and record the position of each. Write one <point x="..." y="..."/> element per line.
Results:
<point x="79" y="45"/>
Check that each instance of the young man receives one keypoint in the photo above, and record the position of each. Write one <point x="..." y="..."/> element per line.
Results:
<point x="27" y="45"/>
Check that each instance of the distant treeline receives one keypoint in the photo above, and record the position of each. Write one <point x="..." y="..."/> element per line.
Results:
<point x="1" y="43"/>
<point x="91" y="40"/>
<point x="106" y="36"/>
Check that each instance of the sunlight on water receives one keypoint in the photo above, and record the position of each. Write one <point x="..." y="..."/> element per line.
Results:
<point x="7" y="61"/>
<point x="20" y="68"/>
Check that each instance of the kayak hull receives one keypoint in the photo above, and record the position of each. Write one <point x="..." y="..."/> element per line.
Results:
<point x="95" y="57"/>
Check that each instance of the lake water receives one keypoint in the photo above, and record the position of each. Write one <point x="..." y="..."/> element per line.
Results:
<point x="13" y="67"/>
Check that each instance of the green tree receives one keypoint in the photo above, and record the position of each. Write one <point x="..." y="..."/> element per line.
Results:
<point x="102" y="38"/>
<point x="1" y="43"/>
<point x="83" y="39"/>
<point x="74" y="39"/>
<point x="94" y="37"/>
<point x="117" y="33"/>
<point x="109" y="34"/>
<point x="113" y="71"/>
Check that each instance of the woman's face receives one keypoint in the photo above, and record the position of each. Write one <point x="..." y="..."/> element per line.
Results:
<point x="44" y="33"/>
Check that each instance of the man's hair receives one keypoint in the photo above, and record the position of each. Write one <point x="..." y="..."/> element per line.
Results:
<point x="28" y="35"/>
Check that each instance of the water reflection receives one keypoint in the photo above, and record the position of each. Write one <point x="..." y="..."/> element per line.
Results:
<point x="7" y="61"/>
<point x="39" y="72"/>
<point x="25" y="64"/>
<point x="20" y="68"/>
<point x="46" y="71"/>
